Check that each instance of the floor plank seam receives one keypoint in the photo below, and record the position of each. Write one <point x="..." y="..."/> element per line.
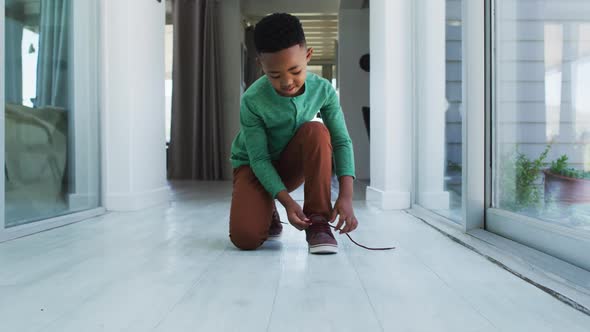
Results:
<point x="366" y="293"/>
<point x="274" y="300"/>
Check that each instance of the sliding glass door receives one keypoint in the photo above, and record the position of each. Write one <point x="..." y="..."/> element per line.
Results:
<point x="541" y="126"/>
<point x="50" y="97"/>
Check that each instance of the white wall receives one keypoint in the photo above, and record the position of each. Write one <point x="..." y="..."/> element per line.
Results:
<point x="231" y="35"/>
<point x="133" y="134"/>
<point x="353" y="33"/>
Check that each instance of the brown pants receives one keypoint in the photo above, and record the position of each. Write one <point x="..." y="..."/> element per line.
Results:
<point x="307" y="158"/>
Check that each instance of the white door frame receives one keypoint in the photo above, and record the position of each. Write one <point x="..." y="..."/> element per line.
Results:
<point x="2" y="114"/>
<point x="473" y="133"/>
<point x="567" y="244"/>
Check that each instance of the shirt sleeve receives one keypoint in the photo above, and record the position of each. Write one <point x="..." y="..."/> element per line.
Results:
<point x="256" y="143"/>
<point x="341" y="143"/>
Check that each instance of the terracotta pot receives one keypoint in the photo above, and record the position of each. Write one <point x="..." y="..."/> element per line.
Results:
<point x="566" y="190"/>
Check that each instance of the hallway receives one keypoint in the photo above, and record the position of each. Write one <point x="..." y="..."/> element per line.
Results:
<point x="172" y="268"/>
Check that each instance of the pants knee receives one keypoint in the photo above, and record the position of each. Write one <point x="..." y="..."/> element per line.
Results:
<point x="316" y="131"/>
<point x="246" y="239"/>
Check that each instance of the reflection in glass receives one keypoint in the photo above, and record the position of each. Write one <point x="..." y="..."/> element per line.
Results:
<point x="542" y="110"/>
<point x="453" y="118"/>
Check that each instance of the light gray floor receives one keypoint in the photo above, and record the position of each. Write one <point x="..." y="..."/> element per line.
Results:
<point x="172" y="268"/>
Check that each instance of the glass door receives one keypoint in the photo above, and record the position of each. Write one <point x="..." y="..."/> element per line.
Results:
<point x="541" y="126"/>
<point x="50" y="98"/>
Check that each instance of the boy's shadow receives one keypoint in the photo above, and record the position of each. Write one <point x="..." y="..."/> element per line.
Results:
<point x="267" y="246"/>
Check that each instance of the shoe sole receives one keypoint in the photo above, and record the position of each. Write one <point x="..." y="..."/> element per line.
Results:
<point x="323" y="249"/>
<point x="275" y="236"/>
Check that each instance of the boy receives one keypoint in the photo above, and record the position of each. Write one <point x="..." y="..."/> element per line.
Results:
<point x="278" y="147"/>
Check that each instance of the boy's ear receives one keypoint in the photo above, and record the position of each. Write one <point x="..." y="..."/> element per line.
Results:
<point x="309" y="53"/>
<point x="259" y="64"/>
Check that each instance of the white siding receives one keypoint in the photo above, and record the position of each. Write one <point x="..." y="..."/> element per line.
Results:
<point x="454" y="84"/>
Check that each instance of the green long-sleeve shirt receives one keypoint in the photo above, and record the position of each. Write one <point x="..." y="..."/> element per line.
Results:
<point x="268" y="121"/>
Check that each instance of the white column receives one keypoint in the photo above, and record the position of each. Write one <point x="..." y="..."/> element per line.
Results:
<point x="391" y="103"/>
<point x="431" y="103"/>
<point x="133" y="133"/>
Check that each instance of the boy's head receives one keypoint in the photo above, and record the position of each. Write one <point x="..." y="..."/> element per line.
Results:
<point x="282" y="52"/>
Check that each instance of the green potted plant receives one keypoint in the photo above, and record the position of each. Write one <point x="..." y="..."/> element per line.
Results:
<point x="521" y="180"/>
<point x="565" y="184"/>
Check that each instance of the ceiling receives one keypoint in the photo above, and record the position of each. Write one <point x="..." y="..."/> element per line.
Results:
<point x="319" y="20"/>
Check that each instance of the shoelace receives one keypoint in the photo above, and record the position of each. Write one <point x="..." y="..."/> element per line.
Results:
<point x="350" y="238"/>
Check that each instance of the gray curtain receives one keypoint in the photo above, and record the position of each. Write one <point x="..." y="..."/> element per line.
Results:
<point x="52" y="66"/>
<point x="13" y="64"/>
<point x="195" y="150"/>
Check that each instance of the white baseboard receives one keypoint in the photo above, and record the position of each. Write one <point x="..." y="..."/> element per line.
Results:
<point x="136" y="201"/>
<point x="389" y="200"/>
<point x="435" y="200"/>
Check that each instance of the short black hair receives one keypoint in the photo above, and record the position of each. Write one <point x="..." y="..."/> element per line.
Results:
<point x="277" y="32"/>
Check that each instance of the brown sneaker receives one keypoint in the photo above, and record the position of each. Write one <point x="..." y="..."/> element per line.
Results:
<point x="319" y="237"/>
<point x="276" y="228"/>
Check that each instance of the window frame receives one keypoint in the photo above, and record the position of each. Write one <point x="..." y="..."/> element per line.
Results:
<point x="473" y="130"/>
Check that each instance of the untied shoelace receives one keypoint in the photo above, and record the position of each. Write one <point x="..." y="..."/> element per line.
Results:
<point x="353" y="241"/>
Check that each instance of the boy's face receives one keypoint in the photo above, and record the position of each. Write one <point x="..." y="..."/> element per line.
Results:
<point x="287" y="69"/>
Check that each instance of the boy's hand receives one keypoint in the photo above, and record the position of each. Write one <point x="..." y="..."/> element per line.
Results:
<point x="343" y="208"/>
<point x="296" y="216"/>
<point x="294" y="212"/>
